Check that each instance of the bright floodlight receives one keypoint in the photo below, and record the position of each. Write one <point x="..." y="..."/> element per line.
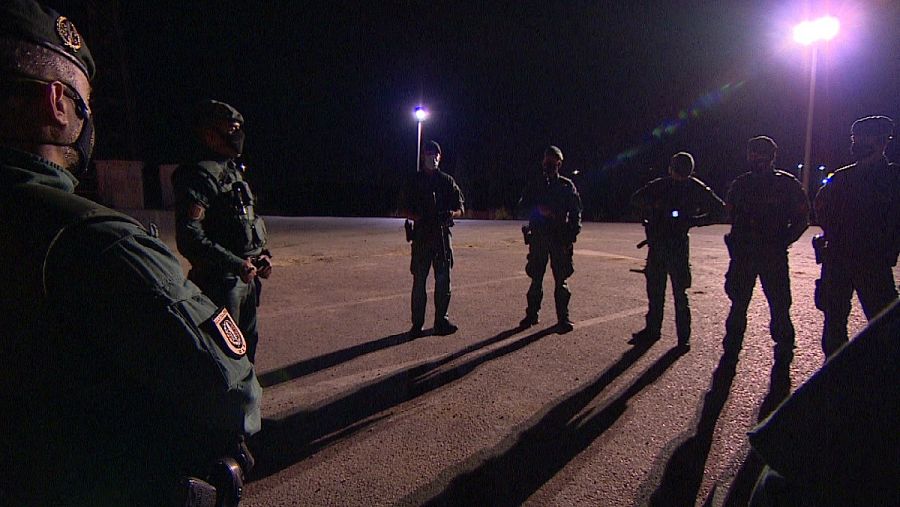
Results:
<point x="420" y="113"/>
<point x="824" y="28"/>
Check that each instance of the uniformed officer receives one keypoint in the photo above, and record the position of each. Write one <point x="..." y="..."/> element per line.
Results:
<point x="432" y="200"/>
<point x="859" y="211"/>
<point x="120" y="375"/>
<point x="217" y="228"/>
<point x="554" y="221"/>
<point x="670" y="206"/>
<point x="768" y="211"/>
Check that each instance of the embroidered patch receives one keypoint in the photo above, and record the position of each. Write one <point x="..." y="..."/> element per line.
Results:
<point x="68" y="33"/>
<point x="196" y="212"/>
<point x="230" y="333"/>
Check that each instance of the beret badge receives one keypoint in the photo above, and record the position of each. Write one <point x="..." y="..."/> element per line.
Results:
<point x="68" y="33"/>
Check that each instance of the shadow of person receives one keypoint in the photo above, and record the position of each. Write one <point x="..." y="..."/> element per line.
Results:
<point x="513" y="470"/>
<point x="683" y="474"/>
<point x="779" y="389"/>
<point x="325" y="361"/>
<point x="293" y="437"/>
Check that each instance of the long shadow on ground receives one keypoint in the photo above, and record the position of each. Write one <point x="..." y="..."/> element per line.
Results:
<point x="519" y="466"/>
<point x="683" y="473"/>
<point x="289" y="440"/>
<point x="742" y="485"/>
<point x="325" y="361"/>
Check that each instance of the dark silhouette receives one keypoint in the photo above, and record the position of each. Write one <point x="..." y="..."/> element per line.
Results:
<point x="524" y="462"/>
<point x="325" y="361"/>
<point x="684" y="471"/>
<point x="288" y="440"/>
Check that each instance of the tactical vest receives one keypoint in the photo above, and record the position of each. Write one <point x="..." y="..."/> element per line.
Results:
<point x="231" y="218"/>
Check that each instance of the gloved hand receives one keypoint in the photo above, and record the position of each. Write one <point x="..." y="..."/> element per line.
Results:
<point x="247" y="271"/>
<point x="263" y="265"/>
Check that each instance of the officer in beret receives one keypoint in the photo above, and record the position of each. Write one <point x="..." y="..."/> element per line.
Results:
<point x="768" y="211"/>
<point x="859" y="211"/>
<point x="217" y="228"/>
<point x="123" y="384"/>
<point x="431" y="200"/>
<point x="554" y="221"/>
<point x="670" y="206"/>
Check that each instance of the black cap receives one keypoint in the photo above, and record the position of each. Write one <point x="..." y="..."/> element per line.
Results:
<point x="875" y="126"/>
<point x="554" y="151"/>
<point x="208" y="111"/>
<point x="431" y="147"/>
<point x="682" y="163"/>
<point x="762" y="144"/>
<point x="29" y="21"/>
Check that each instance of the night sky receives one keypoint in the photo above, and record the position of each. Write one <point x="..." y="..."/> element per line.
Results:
<point x="327" y="89"/>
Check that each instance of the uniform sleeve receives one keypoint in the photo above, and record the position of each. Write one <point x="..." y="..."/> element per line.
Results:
<point x="712" y="209"/>
<point x="640" y="200"/>
<point x="193" y="187"/>
<point x="731" y="197"/>
<point x="126" y="293"/>
<point x="799" y="212"/>
<point x="458" y="201"/>
<point x="575" y="209"/>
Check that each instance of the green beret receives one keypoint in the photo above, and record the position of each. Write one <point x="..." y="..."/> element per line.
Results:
<point x="209" y="111"/>
<point x="29" y="21"/>
<point x="875" y="126"/>
<point x="554" y="151"/>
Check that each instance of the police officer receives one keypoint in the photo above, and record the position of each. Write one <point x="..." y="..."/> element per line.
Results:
<point x="670" y="206"/>
<point x="217" y="228"/>
<point x="859" y="211"/>
<point x="768" y="211"/>
<point x="120" y="376"/>
<point x="554" y="221"/>
<point x="432" y="200"/>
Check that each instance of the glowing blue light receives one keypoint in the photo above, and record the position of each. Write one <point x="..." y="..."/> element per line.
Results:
<point x="675" y="213"/>
<point x="825" y="181"/>
<point x="799" y="166"/>
<point x="821" y="167"/>
<point x="420" y="113"/>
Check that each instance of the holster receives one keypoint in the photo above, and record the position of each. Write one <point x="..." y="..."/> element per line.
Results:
<point x="820" y="247"/>
<point x="820" y="294"/>
<point x="408" y="227"/>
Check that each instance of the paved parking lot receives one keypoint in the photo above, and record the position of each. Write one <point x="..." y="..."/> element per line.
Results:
<point x="357" y="414"/>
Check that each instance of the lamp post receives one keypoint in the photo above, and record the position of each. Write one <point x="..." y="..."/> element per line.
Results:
<point x="809" y="33"/>
<point x="421" y="115"/>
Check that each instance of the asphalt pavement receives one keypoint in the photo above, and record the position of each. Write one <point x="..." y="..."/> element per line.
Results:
<point x="357" y="414"/>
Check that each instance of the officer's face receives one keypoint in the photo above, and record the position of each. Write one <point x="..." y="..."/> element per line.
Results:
<point x="431" y="160"/>
<point x="551" y="165"/>
<point x="863" y="146"/>
<point x="224" y="137"/>
<point x="759" y="161"/>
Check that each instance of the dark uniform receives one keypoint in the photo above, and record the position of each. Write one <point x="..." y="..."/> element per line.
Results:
<point x="554" y="221"/>
<point x="217" y="228"/>
<point x="431" y="196"/>
<point x="859" y="211"/>
<point x="768" y="212"/>
<point x="120" y="375"/>
<point x="670" y="208"/>
<point x="835" y="442"/>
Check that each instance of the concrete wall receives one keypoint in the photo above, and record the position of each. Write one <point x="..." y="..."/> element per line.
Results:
<point x="120" y="183"/>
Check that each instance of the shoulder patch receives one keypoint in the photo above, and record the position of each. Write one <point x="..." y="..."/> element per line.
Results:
<point x="230" y="334"/>
<point x="196" y="212"/>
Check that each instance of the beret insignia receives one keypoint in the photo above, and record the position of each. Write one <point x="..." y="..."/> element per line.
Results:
<point x="230" y="333"/>
<point x="68" y="33"/>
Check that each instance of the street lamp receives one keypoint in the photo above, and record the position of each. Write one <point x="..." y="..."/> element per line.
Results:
<point x="809" y="33"/>
<point x="421" y="115"/>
